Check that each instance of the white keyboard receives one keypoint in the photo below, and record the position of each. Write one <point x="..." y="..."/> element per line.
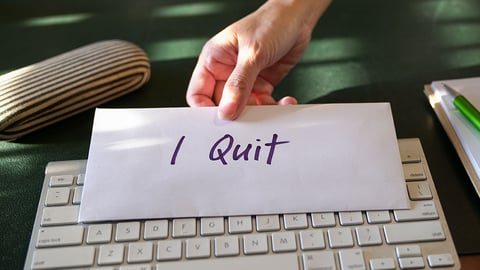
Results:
<point x="417" y="238"/>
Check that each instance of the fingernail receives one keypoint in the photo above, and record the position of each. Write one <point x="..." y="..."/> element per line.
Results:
<point x="227" y="111"/>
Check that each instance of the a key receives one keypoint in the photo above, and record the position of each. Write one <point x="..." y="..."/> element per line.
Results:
<point x="169" y="250"/>
<point x="197" y="248"/>
<point x="226" y="246"/>
<point x="110" y="254"/>
<point x="184" y="227"/>
<point x="240" y="224"/>
<point x="284" y="241"/>
<point x="99" y="233"/>
<point x="351" y="259"/>
<point x="127" y="231"/>
<point x="286" y="261"/>
<point x="319" y="260"/>
<point x="212" y="226"/>
<point x="421" y="210"/>
<point x="267" y="223"/>
<point x="413" y="232"/>
<point x="140" y="252"/>
<point x="340" y="237"/>
<point x="312" y="239"/>
<point x="255" y="243"/>
<point x="63" y="257"/>
<point x="323" y="220"/>
<point x="60" y="236"/>
<point x="295" y="221"/>
<point x="156" y="229"/>
<point x="60" y="215"/>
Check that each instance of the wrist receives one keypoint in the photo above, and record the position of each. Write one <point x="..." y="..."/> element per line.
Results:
<point x="307" y="11"/>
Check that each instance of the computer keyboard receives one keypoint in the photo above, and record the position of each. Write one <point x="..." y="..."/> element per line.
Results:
<point x="417" y="238"/>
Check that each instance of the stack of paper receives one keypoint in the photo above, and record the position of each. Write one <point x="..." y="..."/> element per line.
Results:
<point x="463" y="134"/>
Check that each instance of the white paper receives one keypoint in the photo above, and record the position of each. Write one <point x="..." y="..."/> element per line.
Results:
<point x="466" y="132"/>
<point x="330" y="157"/>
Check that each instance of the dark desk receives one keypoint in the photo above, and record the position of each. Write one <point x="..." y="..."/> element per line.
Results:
<point x="362" y="51"/>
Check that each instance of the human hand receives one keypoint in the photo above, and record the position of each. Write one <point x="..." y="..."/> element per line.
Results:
<point x="243" y="63"/>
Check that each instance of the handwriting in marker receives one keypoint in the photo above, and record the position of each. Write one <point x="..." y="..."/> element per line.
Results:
<point x="217" y="152"/>
<point x="177" y="149"/>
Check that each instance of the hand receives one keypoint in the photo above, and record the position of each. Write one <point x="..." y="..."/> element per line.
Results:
<point x="243" y="63"/>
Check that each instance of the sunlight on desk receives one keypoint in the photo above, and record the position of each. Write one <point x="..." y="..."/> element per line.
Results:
<point x="56" y="20"/>
<point x="330" y="57"/>
<point x="190" y="9"/>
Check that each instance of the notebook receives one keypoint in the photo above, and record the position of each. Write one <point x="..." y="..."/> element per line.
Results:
<point x="464" y="136"/>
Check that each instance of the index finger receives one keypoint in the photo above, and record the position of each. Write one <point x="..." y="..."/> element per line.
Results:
<point x="201" y="87"/>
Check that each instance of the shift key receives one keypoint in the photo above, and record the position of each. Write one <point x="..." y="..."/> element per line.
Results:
<point x="409" y="232"/>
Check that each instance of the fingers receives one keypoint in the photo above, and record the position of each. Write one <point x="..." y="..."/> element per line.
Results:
<point x="288" y="100"/>
<point x="237" y="90"/>
<point x="201" y="88"/>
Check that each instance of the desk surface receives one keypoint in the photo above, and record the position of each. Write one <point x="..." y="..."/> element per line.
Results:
<point x="361" y="51"/>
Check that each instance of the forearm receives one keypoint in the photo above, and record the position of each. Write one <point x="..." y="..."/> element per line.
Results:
<point x="307" y="12"/>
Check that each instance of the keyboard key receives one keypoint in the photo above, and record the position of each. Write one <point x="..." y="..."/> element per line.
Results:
<point x="320" y="220"/>
<point x="110" y="254"/>
<point x="382" y="264"/>
<point x="127" y="231"/>
<point x="57" y="196"/>
<point x="80" y="179"/>
<point x="350" y="218"/>
<point x="60" y="236"/>
<point x="414" y="171"/>
<point x="61" y="180"/>
<point x="169" y="250"/>
<point x="419" y="191"/>
<point x="77" y="195"/>
<point x="312" y="239"/>
<point x="284" y="241"/>
<point x="240" y="224"/>
<point x="368" y="235"/>
<point x="184" y="227"/>
<point x="421" y="210"/>
<point x="440" y="260"/>
<point x="375" y="217"/>
<point x="410" y="155"/>
<point x="60" y="215"/>
<point x="255" y="243"/>
<point x="413" y="232"/>
<point x="156" y="229"/>
<point x="212" y="226"/>
<point x="226" y="246"/>
<point x="63" y="257"/>
<point x="287" y="261"/>
<point x="267" y="223"/>
<point x="319" y="260"/>
<point x="408" y="251"/>
<point x="140" y="252"/>
<point x="351" y="259"/>
<point x="340" y="238"/>
<point x="197" y="248"/>
<point x="99" y="233"/>
<point x="295" y="221"/>
<point x="128" y="267"/>
<point x="411" y="263"/>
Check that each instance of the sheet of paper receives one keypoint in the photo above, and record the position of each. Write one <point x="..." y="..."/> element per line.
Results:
<point x="185" y="162"/>
<point x="467" y="134"/>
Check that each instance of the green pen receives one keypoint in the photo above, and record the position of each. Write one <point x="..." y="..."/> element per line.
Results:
<point x="464" y="106"/>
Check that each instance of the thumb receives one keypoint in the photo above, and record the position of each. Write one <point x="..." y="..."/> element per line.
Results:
<point x="237" y="90"/>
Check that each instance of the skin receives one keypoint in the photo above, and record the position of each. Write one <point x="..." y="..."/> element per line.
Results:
<point x="243" y="63"/>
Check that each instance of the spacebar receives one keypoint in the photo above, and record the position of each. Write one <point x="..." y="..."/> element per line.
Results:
<point x="285" y="261"/>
